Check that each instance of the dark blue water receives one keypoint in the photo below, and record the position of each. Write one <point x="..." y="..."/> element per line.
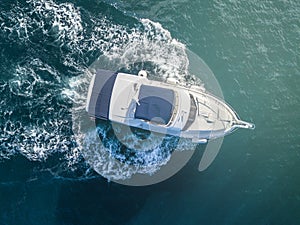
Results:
<point x="252" y="48"/>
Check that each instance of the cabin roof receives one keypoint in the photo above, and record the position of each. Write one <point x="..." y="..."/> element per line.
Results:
<point x="155" y="104"/>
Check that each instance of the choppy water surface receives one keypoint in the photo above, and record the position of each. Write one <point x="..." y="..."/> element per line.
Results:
<point x="253" y="49"/>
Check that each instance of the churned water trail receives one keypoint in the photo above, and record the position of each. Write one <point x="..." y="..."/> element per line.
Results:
<point x="44" y="87"/>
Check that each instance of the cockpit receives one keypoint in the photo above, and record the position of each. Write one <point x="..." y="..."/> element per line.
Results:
<point x="192" y="113"/>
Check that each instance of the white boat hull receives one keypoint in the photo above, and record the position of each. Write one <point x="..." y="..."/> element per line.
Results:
<point x="127" y="99"/>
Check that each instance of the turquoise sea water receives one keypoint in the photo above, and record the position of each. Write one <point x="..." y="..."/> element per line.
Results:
<point x="251" y="46"/>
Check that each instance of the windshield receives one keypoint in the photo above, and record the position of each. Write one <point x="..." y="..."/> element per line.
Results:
<point x="192" y="113"/>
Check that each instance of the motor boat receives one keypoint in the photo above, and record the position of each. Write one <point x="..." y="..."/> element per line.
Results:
<point x="162" y="107"/>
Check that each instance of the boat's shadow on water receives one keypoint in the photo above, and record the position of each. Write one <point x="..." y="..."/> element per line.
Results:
<point x="97" y="201"/>
<point x="52" y="193"/>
